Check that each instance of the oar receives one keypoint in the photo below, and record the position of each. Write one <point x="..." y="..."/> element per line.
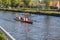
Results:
<point x="35" y="21"/>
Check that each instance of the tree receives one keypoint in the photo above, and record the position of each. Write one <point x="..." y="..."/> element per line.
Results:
<point x="47" y="3"/>
<point x="31" y="4"/>
<point x="26" y="2"/>
<point x="15" y="3"/>
<point x="21" y="4"/>
<point x="0" y="2"/>
<point x="6" y="3"/>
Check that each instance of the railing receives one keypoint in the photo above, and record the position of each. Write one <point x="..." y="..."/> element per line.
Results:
<point x="9" y="37"/>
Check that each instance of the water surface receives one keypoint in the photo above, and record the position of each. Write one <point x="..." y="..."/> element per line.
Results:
<point x="43" y="27"/>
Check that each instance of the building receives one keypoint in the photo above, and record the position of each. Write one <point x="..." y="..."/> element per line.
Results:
<point x="37" y="3"/>
<point x="42" y="4"/>
<point x="54" y="4"/>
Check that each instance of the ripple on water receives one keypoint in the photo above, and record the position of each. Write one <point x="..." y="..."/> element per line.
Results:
<point x="43" y="27"/>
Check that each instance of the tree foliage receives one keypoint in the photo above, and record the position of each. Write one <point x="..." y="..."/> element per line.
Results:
<point x="0" y="2"/>
<point x="13" y="3"/>
<point x="6" y="3"/>
<point x="26" y="2"/>
<point x="47" y="3"/>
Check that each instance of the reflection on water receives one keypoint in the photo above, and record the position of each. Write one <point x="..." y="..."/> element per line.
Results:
<point x="43" y="27"/>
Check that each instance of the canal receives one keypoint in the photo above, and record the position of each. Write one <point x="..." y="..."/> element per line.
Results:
<point x="43" y="27"/>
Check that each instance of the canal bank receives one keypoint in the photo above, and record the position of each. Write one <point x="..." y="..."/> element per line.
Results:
<point x="41" y="12"/>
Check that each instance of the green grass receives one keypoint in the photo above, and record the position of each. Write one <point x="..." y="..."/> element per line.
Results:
<point x="2" y="36"/>
<point x="50" y="12"/>
<point x="45" y="11"/>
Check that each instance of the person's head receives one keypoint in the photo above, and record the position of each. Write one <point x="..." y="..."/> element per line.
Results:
<point x="16" y="17"/>
<point x="19" y="17"/>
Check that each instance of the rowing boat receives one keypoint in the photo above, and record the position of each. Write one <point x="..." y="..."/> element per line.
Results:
<point x="29" y="21"/>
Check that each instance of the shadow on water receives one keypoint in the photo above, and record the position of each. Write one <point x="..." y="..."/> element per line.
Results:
<point x="52" y="14"/>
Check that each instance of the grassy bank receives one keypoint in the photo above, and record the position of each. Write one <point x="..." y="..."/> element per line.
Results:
<point x="32" y="10"/>
<point x="20" y="9"/>
<point x="50" y="12"/>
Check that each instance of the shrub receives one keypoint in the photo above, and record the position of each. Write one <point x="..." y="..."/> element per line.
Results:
<point x="2" y="36"/>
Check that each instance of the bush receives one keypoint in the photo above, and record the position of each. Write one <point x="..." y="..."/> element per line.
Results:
<point x="2" y="36"/>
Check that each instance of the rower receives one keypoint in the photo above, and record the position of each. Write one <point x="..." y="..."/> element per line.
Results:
<point x="19" y="17"/>
<point x="25" y="19"/>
